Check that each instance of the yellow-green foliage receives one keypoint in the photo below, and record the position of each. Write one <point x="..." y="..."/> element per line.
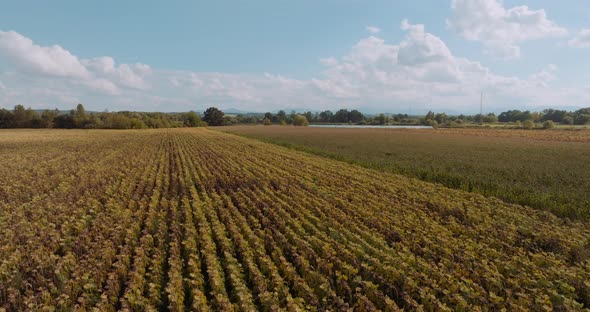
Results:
<point x="547" y="170"/>
<point x="194" y="219"/>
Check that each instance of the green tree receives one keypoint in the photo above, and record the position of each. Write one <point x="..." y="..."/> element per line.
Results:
<point x="308" y="116"/>
<point x="582" y="116"/>
<point x="136" y="123"/>
<point x="548" y="124"/>
<point x="341" y="116"/>
<point x="120" y="121"/>
<point x="23" y="118"/>
<point x="479" y="118"/>
<point x="268" y="115"/>
<point x="6" y="118"/>
<point x="429" y="116"/>
<point x="94" y="122"/>
<point x="432" y="123"/>
<point x="490" y="118"/>
<point x="300" y="120"/>
<point x="48" y="117"/>
<point x="554" y="115"/>
<point x="536" y="116"/>
<point x="282" y="116"/>
<point x="528" y="124"/>
<point x="355" y="116"/>
<point x="247" y="119"/>
<point x="229" y="120"/>
<point x="291" y="117"/>
<point x="80" y="110"/>
<point x="326" y="116"/>
<point x="192" y="119"/>
<point x="65" y="121"/>
<point x="583" y="119"/>
<point x="267" y="121"/>
<point x="382" y="119"/>
<point x="514" y="116"/>
<point x="213" y="117"/>
<point x="567" y="120"/>
<point x="80" y="118"/>
<point x="441" y="118"/>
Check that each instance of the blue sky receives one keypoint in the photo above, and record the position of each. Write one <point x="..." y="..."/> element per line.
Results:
<point x="378" y="56"/>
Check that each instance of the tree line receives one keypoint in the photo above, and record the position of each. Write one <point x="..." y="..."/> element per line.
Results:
<point x="578" y="117"/>
<point x="21" y="117"/>
<point x="341" y="116"/>
<point x="547" y="116"/>
<point x="79" y="118"/>
<point x="525" y="119"/>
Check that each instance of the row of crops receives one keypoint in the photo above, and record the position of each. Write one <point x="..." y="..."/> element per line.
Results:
<point x="200" y="220"/>
<point x="546" y="170"/>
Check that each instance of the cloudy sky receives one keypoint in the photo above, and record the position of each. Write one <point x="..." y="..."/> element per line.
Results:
<point x="266" y="55"/>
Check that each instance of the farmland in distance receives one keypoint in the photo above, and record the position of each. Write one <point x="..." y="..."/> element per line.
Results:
<point x="547" y="170"/>
<point x="150" y="220"/>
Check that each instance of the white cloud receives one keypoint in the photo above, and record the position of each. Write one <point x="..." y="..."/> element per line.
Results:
<point x="421" y="47"/>
<point x="420" y="66"/>
<point x="373" y="50"/>
<point x="374" y="76"/>
<point x="545" y="76"/>
<point x="582" y="40"/>
<point x="126" y="75"/>
<point x="498" y="28"/>
<point x="373" y="29"/>
<point x="100" y="74"/>
<point x="100" y="85"/>
<point x="422" y="71"/>
<point x="252" y="92"/>
<point x="53" y="60"/>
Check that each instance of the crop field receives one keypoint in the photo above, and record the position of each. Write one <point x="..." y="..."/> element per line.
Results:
<point x="547" y="170"/>
<point x="195" y="219"/>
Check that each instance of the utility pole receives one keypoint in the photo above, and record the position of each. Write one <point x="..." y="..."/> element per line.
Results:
<point x="481" y="109"/>
<point x="481" y="105"/>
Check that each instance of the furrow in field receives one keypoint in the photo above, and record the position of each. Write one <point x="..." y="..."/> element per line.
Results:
<point x="178" y="220"/>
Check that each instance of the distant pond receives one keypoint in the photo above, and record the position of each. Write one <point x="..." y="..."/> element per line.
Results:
<point x="372" y="127"/>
